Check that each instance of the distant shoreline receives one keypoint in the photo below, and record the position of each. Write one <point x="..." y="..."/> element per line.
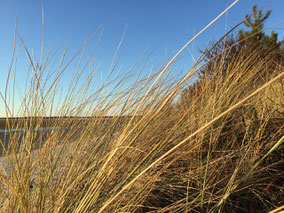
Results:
<point x="44" y="121"/>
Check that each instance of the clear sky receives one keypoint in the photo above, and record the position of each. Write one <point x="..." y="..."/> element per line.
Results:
<point x="166" y="24"/>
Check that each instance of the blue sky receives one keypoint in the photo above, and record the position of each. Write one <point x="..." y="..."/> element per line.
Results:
<point x="163" y="24"/>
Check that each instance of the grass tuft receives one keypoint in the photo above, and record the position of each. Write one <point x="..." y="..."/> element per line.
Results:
<point x="144" y="143"/>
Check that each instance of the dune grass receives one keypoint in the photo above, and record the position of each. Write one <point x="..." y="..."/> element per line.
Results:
<point x="217" y="151"/>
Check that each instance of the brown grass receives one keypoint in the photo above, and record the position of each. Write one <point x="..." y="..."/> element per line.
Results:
<point x="216" y="151"/>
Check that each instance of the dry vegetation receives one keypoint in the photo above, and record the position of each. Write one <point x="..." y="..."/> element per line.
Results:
<point x="220" y="149"/>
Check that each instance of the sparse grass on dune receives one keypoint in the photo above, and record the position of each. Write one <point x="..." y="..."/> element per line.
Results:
<point x="217" y="150"/>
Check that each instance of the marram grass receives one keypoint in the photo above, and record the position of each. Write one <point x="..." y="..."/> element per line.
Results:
<point x="132" y="145"/>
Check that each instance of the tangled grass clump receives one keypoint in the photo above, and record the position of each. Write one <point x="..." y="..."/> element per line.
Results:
<point x="143" y="148"/>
